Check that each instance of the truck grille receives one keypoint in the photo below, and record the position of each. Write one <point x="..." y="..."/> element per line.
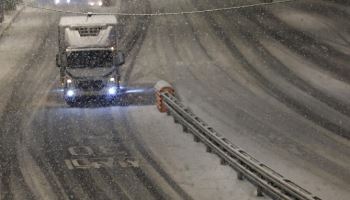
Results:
<point x="91" y="85"/>
<point x="89" y="31"/>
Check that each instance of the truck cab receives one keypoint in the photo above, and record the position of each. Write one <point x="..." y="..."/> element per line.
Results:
<point x="88" y="56"/>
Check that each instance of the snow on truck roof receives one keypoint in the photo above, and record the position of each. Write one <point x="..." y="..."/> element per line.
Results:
<point x="87" y="32"/>
<point x="87" y="21"/>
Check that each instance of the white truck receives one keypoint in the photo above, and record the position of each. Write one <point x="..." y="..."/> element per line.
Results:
<point x="88" y="56"/>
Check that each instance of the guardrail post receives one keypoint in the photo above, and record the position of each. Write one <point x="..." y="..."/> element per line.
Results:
<point x="259" y="192"/>
<point x="184" y="129"/>
<point x="240" y="176"/>
<point x="162" y="87"/>
<point x="196" y="138"/>
<point x="209" y="149"/>
<point x="223" y="162"/>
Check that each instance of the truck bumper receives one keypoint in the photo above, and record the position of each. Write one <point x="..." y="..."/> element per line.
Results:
<point x="108" y="92"/>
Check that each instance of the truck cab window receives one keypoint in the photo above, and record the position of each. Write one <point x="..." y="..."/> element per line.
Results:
<point x="90" y="59"/>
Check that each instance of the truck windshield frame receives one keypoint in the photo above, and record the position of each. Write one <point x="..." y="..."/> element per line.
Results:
<point x="90" y="59"/>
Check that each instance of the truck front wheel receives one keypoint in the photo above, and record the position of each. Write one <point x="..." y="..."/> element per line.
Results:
<point x="70" y="102"/>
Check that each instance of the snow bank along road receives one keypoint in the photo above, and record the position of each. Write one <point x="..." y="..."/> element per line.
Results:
<point x="273" y="80"/>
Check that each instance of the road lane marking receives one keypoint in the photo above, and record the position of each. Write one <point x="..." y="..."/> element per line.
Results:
<point x="89" y="163"/>
<point x="104" y="156"/>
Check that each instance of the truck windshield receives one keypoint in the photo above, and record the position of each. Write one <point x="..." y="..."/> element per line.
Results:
<point x="91" y="59"/>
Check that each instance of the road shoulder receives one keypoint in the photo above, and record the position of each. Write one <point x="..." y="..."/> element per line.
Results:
<point x="10" y="16"/>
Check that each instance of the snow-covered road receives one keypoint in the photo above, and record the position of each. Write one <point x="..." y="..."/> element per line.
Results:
<point x="274" y="80"/>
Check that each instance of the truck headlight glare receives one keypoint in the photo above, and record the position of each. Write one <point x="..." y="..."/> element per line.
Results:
<point x="112" y="79"/>
<point x="112" y="91"/>
<point x="70" y="93"/>
<point x="69" y="81"/>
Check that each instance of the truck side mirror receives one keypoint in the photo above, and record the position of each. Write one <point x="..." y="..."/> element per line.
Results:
<point x="58" y="64"/>
<point x="119" y="59"/>
<point x="64" y="61"/>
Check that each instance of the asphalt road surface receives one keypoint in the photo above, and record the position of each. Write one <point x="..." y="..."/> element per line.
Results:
<point x="274" y="80"/>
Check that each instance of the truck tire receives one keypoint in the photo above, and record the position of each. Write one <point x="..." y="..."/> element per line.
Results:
<point x="70" y="102"/>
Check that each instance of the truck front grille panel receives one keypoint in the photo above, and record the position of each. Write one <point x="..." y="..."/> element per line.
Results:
<point x="91" y="85"/>
<point x="88" y="31"/>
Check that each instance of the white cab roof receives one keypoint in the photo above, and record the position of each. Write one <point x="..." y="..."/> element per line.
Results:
<point x="94" y="20"/>
<point x="105" y="38"/>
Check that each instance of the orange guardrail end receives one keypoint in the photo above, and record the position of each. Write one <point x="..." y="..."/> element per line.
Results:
<point x="162" y="87"/>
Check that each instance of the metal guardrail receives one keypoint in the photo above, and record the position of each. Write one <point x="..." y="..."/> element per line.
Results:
<point x="266" y="180"/>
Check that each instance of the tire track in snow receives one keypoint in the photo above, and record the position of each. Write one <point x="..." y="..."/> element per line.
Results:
<point x="323" y="55"/>
<point x="11" y="122"/>
<point x="270" y="88"/>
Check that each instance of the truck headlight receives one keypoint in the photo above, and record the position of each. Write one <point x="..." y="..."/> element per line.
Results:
<point x="69" y="81"/>
<point x="70" y="93"/>
<point x="112" y="79"/>
<point x="112" y="91"/>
